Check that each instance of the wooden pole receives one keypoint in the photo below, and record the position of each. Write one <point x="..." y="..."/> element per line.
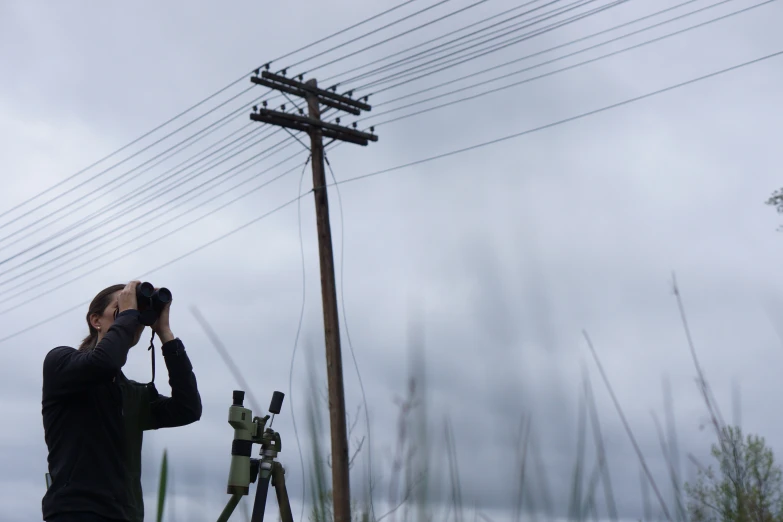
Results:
<point x="341" y="487"/>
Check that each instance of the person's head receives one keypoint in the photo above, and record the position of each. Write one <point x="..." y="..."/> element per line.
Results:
<point x="100" y="316"/>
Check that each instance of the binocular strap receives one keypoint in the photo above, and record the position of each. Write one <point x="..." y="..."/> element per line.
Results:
<point x="152" y="356"/>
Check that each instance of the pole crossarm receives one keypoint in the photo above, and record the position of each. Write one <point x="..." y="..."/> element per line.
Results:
<point x="307" y="124"/>
<point x="300" y="93"/>
<point x="302" y="90"/>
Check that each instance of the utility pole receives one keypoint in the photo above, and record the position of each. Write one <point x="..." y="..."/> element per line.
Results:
<point x="313" y="125"/>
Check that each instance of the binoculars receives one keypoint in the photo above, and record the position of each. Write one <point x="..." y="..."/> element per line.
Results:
<point x="150" y="302"/>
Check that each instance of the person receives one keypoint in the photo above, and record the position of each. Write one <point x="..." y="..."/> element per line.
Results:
<point x="94" y="417"/>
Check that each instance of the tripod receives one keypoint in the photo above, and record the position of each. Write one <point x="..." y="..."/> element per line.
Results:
<point x="245" y="470"/>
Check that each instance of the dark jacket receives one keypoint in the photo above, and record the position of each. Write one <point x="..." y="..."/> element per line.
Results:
<point x="94" y="419"/>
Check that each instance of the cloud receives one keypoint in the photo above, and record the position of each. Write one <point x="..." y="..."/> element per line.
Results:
<point x="500" y="256"/>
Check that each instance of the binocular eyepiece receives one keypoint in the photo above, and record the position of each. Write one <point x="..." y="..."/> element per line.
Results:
<point x="150" y="302"/>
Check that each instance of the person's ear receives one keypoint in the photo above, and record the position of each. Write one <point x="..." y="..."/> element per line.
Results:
<point x="95" y="321"/>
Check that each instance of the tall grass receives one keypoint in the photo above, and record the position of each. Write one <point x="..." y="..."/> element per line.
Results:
<point x="411" y="481"/>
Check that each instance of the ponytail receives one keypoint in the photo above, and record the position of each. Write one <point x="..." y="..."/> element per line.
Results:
<point x="89" y="342"/>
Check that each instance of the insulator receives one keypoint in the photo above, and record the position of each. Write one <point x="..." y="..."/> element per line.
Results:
<point x="257" y="71"/>
<point x="372" y="129"/>
<point x="283" y="72"/>
<point x="301" y="111"/>
<point x="337" y="121"/>
<point x="354" y="125"/>
<point x="263" y="103"/>
<point x="266" y="66"/>
<point x="255" y="108"/>
<point x="282" y="107"/>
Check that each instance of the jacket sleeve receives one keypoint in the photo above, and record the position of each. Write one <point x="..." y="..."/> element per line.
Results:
<point x="67" y="370"/>
<point x="184" y="405"/>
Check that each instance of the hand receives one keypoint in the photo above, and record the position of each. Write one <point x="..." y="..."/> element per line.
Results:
<point x="127" y="297"/>
<point x="161" y="327"/>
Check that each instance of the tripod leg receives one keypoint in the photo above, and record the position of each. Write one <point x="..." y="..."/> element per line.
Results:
<point x="232" y="504"/>
<point x="259" y="505"/>
<point x="278" y="481"/>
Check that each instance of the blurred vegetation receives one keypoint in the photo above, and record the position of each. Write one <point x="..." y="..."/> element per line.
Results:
<point x="745" y="486"/>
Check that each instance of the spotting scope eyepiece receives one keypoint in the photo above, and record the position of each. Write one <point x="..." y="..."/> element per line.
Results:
<point x="277" y="402"/>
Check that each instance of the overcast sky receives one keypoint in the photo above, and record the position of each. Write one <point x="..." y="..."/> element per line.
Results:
<point x="491" y="262"/>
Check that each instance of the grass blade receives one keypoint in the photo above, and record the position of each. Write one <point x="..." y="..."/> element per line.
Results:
<point x="646" y="506"/>
<point x="543" y="481"/>
<point x="628" y="428"/>
<point x="524" y="435"/>
<point x="588" y="504"/>
<point x="674" y="451"/>
<point x="454" y="471"/>
<point x="574" y="508"/>
<point x="680" y="509"/>
<point x="600" y="447"/>
<point x="164" y="471"/>
<point x="709" y="399"/>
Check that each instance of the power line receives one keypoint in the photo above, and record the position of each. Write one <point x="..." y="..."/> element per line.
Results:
<point x="85" y="182"/>
<point x="565" y="120"/>
<point x="493" y="36"/>
<point x="451" y="102"/>
<point x="146" y="148"/>
<point x="480" y="53"/>
<point x="551" y="73"/>
<point x="354" y="26"/>
<point x="138" y="152"/>
<point x="116" y="204"/>
<point x="198" y="104"/>
<point x="124" y="212"/>
<point x="422" y="161"/>
<point x="474" y="86"/>
<point x="137" y="225"/>
<point x="147" y="244"/>
<point x="558" y="11"/>
<point x="148" y="133"/>
<point x="528" y="56"/>
<point x="427" y="42"/>
<point x="296" y="339"/>
<point x="579" y="3"/>
<point x="96" y="195"/>
<point x="448" y="45"/>
<point x="120" y="213"/>
<point x="159" y="267"/>
<point x="381" y="113"/>
<point x="365" y="35"/>
<point x="73" y="188"/>
<point x="398" y="35"/>
<point x="348" y="331"/>
<point x="160" y="186"/>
